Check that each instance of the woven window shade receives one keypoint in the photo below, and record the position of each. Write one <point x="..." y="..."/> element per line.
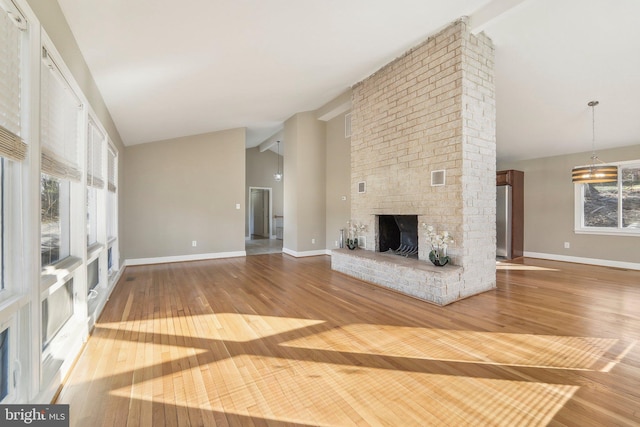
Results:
<point x="60" y="120"/>
<point x="12" y="27"/>
<point x="94" y="156"/>
<point x="11" y="146"/>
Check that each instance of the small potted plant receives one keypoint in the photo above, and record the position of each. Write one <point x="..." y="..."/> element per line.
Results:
<point x="439" y="242"/>
<point x="354" y="229"/>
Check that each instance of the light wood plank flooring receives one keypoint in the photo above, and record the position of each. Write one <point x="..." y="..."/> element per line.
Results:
<point x="273" y="340"/>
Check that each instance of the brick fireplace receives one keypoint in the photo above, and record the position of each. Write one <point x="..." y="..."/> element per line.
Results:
<point x="431" y="110"/>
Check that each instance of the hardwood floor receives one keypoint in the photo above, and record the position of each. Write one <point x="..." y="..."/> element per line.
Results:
<point x="273" y="340"/>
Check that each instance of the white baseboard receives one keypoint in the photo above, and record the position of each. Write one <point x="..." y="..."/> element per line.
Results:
<point x="306" y="253"/>
<point x="581" y="260"/>
<point x="182" y="258"/>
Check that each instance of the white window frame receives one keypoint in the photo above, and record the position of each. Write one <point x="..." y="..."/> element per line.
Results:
<point x="58" y="347"/>
<point x="92" y="216"/>
<point x="68" y="341"/>
<point x="97" y="153"/>
<point x="580" y="228"/>
<point x="111" y="210"/>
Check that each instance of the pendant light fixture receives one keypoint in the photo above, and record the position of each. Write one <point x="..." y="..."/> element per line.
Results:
<point x="594" y="173"/>
<point x="278" y="175"/>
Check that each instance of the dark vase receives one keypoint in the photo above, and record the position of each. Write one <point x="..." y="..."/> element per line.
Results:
<point x="437" y="259"/>
<point x="352" y="243"/>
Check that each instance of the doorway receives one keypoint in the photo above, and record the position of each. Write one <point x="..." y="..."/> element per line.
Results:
<point x="260" y="225"/>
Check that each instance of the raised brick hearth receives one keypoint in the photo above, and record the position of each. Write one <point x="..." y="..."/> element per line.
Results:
<point x="439" y="285"/>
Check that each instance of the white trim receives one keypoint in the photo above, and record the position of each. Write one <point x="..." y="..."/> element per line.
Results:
<point x="182" y="258"/>
<point x="113" y="279"/>
<point x="581" y="260"/>
<point x="111" y="285"/>
<point x="601" y="231"/>
<point x="306" y="253"/>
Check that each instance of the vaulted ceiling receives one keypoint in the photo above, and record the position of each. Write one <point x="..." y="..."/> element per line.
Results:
<point x="168" y="69"/>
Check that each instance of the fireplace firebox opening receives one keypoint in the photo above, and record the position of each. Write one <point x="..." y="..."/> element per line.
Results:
<point x="398" y="234"/>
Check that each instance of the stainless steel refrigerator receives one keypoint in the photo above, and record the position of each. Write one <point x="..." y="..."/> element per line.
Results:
<point x="503" y="220"/>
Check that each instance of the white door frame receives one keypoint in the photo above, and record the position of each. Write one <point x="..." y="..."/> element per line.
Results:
<point x="250" y="204"/>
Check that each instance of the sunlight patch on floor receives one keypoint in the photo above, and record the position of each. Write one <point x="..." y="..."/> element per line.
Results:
<point x="300" y="391"/>
<point x="543" y="351"/>
<point x="522" y="267"/>
<point x="225" y="326"/>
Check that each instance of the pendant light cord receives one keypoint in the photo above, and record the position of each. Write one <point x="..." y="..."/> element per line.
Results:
<point x="594" y="157"/>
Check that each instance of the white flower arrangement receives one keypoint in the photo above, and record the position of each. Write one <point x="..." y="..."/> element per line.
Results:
<point x="355" y="228"/>
<point x="437" y="241"/>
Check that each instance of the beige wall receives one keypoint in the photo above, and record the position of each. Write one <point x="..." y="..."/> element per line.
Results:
<point x="549" y="209"/>
<point x="185" y="189"/>
<point x="338" y="172"/>
<point x="304" y="183"/>
<point x="260" y="170"/>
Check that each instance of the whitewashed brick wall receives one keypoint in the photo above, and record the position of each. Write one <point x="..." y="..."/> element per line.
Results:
<point x="432" y="108"/>
<point x="478" y="165"/>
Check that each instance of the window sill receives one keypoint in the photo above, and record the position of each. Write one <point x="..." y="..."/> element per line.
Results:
<point x="93" y="251"/>
<point x="58" y="272"/>
<point x="603" y="232"/>
<point x="10" y="304"/>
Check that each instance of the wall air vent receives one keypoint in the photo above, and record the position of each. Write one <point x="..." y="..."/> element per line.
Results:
<point x="438" y="178"/>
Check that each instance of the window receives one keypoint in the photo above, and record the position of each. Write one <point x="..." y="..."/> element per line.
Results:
<point x="611" y="207"/>
<point x="92" y="216"/>
<point x="12" y="34"/>
<point x="14" y="42"/>
<point x="112" y="207"/>
<point x="93" y="275"/>
<point x="110" y="260"/>
<point x="95" y="182"/>
<point x="60" y="118"/>
<point x="4" y="364"/>
<point x="13" y="37"/>
<point x="55" y="219"/>
<point x="2" y="239"/>
<point x="57" y="309"/>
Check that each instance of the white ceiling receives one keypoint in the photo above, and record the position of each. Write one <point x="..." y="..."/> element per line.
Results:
<point x="168" y="69"/>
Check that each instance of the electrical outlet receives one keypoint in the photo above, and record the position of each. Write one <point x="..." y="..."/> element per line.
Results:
<point x="194" y="243"/>
<point x="336" y="244"/>
<point x="567" y="245"/>
<point x="313" y="241"/>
